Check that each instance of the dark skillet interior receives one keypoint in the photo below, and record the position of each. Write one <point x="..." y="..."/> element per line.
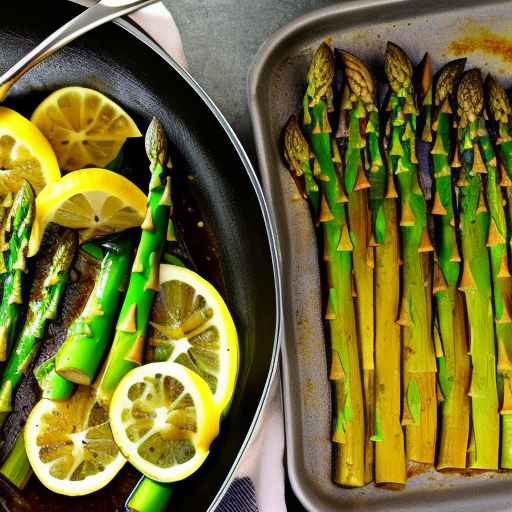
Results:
<point x="117" y="64"/>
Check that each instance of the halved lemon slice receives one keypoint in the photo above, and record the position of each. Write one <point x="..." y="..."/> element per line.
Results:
<point x="70" y="445"/>
<point x="83" y="126"/>
<point x="192" y="325"/>
<point x="24" y="153"/>
<point x="94" y="201"/>
<point x="164" y="419"/>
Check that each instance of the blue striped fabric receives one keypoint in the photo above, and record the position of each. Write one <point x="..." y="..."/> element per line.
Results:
<point x="241" y="497"/>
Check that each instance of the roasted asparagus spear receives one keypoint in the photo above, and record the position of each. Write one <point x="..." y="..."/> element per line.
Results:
<point x="498" y="243"/>
<point x="128" y="345"/>
<point x="450" y="323"/>
<point x="419" y="363"/>
<point x="476" y="280"/>
<point x="357" y="103"/>
<point x="79" y="356"/>
<point x="349" y="421"/>
<point x="45" y="299"/>
<point x="15" y="235"/>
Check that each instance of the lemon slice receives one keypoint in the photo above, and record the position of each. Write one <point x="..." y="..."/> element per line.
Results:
<point x="70" y="445"/>
<point x="84" y="127"/>
<point x="164" y="419"/>
<point x="94" y="201"/>
<point x="24" y="153"/>
<point x="192" y="325"/>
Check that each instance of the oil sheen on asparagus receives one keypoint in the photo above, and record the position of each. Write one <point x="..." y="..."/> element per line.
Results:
<point x="449" y="324"/>
<point x="419" y="410"/>
<point x="476" y="279"/>
<point x="349" y="426"/>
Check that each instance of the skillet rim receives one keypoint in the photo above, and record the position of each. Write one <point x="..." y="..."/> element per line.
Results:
<point x="270" y="230"/>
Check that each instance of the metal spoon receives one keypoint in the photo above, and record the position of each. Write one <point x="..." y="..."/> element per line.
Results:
<point x="98" y="14"/>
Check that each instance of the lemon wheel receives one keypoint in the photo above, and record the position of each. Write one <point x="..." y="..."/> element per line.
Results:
<point x="163" y="419"/>
<point x="94" y="201"/>
<point x="70" y="445"/>
<point x="192" y="326"/>
<point x="24" y="154"/>
<point x="84" y="127"/>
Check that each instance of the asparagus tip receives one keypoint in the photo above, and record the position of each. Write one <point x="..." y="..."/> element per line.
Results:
<point x="497" y="99"/>
<point x="447" y="79"/>
<point x="296" y="149"/>
<point x="359" y="78"/>
<point x="65" y="251"/>
<point x="470" y="97"/>
<point x="320" y="73"/>
<point x="398" y="67"/>
<point x="156" y="142"/>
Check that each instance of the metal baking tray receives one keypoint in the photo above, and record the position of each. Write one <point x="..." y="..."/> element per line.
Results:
<point x="446" y="29"/>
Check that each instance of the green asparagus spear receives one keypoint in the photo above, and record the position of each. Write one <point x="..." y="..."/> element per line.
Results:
<point x="358" y="102"/>
<point x="476" y="278"/>
<point x="349" y="421"/>
<point x="79" y="356"/>
<point x="450" y="324"/>
<point x="45" y="299"/>
<point x="16" y="231"/>
<point x="498" y="243"/>
<point x="149" y="496"/>
<point x="16" y="467"/>
<point x="128" y="345"/>
<point x="419" y="364"/>
<point x="499" y="109"/>
<point x="52" y="385"/>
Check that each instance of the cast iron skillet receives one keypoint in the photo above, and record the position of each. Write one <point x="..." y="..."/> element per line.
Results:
<point x="123" y="63"/>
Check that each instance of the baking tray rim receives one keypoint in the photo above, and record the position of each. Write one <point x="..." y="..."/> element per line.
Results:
<point x="257" y="74"/>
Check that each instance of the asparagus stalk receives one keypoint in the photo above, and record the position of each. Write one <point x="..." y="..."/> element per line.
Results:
<point x="476" y="277"/>
<point x="16" y="231"/>
<point x="149" y="496"/>
<point x="419" y="364"/>
<point x="79" y="356"/>
<point x="358" y="102"/>
<point x="45" y="299"/>
<point x="497" y="242"/>
<point x="128" y="345"/>
<point x="16" y="467"/>
<point x="349" y="421"/>
<point x="452" y="358"/>
<point x="52" y="385"/>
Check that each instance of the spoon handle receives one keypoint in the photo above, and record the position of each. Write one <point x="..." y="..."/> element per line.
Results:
<point x="100" y="13"/>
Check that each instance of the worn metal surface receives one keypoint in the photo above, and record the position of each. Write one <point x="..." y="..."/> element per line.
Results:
<point x="475" y="29"/>
<point x="221" y="37"/>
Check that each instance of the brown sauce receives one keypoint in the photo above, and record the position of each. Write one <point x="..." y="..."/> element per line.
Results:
<point x="482" y="40"/>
